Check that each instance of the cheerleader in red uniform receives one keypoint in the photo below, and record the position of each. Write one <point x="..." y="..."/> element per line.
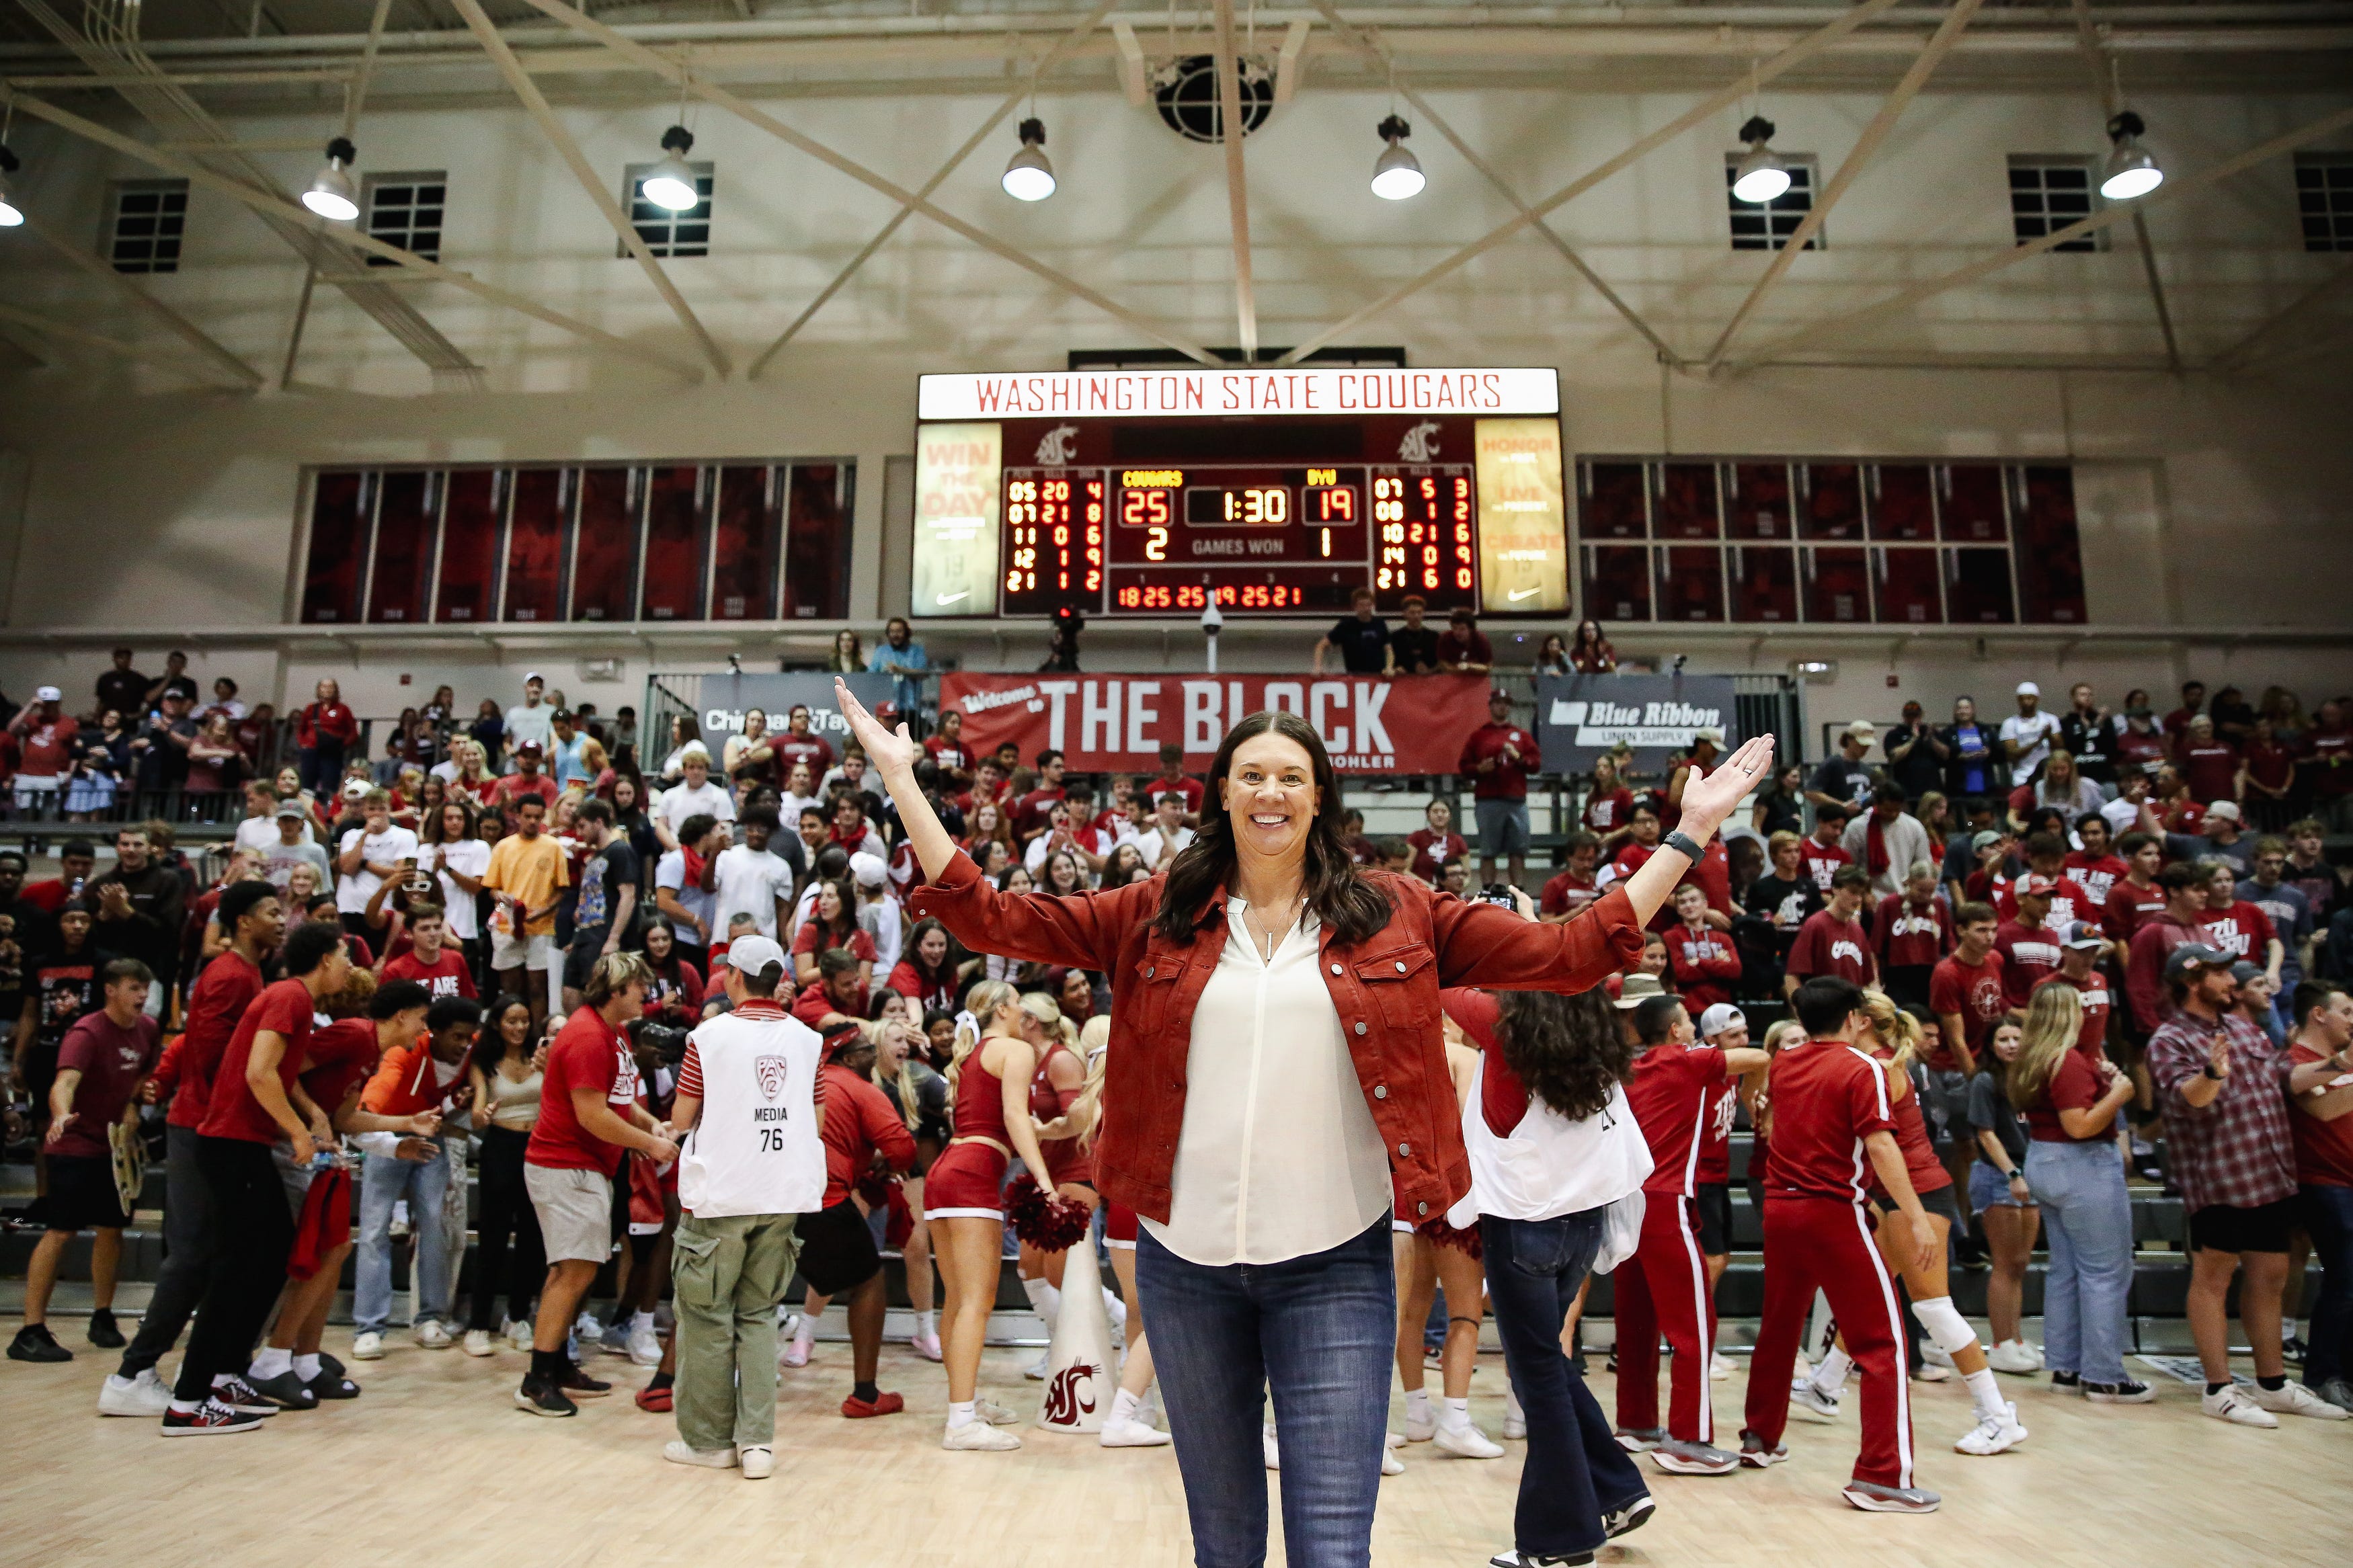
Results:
<point x="1437" y="1254"/>
<point x="1054" y="1088"/>
<point x="1130" y="1423"/>
<point x="989" y="1081"/>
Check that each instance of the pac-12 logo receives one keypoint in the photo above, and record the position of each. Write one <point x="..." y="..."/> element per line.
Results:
<point x="1419" y="444"/>
<point x="1064" y="1404"/>
<point x="772" y="1071"/>
<point x="1058" y="446"/>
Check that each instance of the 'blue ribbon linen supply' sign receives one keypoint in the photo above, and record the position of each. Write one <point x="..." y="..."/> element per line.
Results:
<point x="1579" y="717"/>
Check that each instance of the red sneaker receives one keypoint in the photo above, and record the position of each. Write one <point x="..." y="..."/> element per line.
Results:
<point x="657" y="1400"/>
<point x="882" y="1405"/>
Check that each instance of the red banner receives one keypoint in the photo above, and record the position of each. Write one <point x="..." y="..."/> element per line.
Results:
<point x="1116" y="723"/>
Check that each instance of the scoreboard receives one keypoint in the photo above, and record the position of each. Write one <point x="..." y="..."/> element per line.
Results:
<point x="1133" y="493"/>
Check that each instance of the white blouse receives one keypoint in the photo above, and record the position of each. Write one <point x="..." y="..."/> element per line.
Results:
<point x="1278" y="1156"/>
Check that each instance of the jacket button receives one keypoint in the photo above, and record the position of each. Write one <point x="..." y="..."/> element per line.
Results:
<point x="1380" y="1091"/>
<point x="1405" y="1150"/>
<point x="1400" y="966"/>
<point x="1360" y="1026"/>
<point x="1421" y="1208"/>
<point x="1149" y="971"/>
<point x="1336" y="969"/>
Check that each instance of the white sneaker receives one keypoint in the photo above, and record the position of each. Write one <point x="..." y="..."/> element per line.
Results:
<point x="1719" y="1366"/>
<point x="1994" y="1435"/>
<point x="644" y="1348"/>
<point x="1515" y="1420"/>
<point x="677" y="1453"/>
<point x="2231" y="1405"/>
<point x="990" y="1413"/>
<point x="1273" y="1455"/>
<point x="2014" y="1356"/>
<point x="927" y="1346"/>
<point x="1806" y="1398"/>
<point x="1931" y="1373"/>
<point x="368" y="1346"/>
<point x="1116" y="1306"/>
<point x="1420" y="1431"/>
<point x="433" y="1336"/>
<point x="794" y="1352"/>
<point x="142" y="1395"/>
<point x="1935" y="1354"/>
<point x="477" y="1342"/>
<point x="519" y="1334"/>
<point x="1469" y="1442"/>
<point x="1390" y="1464"/>
<point x="1036" y="1371"/>
<point x="2294" y="1399"/>
<point x="759" y="1462"/>
<point x="979" y="1435"/>
<point x="1132" y="1435"/>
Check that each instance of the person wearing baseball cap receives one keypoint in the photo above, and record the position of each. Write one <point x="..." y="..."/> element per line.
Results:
<point x="45" y="742"/>
<point x="531" y="719"/>
<point x="1844" y="781"/>
<point x="2028" y="948"/>
<point x="528" y="781"/>
<point x="750" y="1162"/>
<point x="2080" y="947"/>
<point x="2027" y="734"/>
<point x="1497" y="759"/>
<point x="2230" y="1151"/>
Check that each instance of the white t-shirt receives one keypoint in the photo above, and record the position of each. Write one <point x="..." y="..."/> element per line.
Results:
<point x="1150" y="846"/>
<point x="749" y="880"/>
<point x="529" y="724"/>
<point x="354" y="891"/>
<point x="669" y="872"/>
<point x="469" y="857"/>
<point x="884" y="926"/>
<point x="2035" y="734"/>
<point x="260" y="834"/>
<point x="789" y="807"/>
<point x="682" y="800"/>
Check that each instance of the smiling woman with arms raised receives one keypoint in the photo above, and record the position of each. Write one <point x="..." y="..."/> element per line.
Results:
<point x="1301" y="993"/>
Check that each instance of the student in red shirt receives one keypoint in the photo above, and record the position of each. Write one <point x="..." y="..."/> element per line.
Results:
<point x="2096" y="868"/>
<point x="1674" y="1085"/>
<point x="439" y="968"/>
<point x="947" y="751"/>
<point x="1029" y="814"/>
<point x="2028" y="947"/>
<point x="1819" y="852"/>
<point x="2146" y="991"/>
<point x="2078" y="970"/>
<point x="2046" y="857"/>
<point x="862" y="1132"/>
<point x="323" y="730"/>
<point x="1833" y="941"/>
<point x="1830" y="1119"/>
<point x="2322" y="1129"/>
<point x="590" y="1118"/>
<point x="2208" y="764"/>
<point x="256" y="921"/>
<point x="526" y="782"/>
<point x="2135" y="896"/>
<point x="1497" y="759"/>
<point x="2239" y="927"/>
<point x="45" y="738"/>
<point x="1173" y="777"/>
<point x="1967" y="994"/>
<point x="1910" y="934"/>
<point x="1573" y="887"/>
<point x="1641" y="840"/>
<point x="1436" y="843"/>
<point x="797" y="744"/>
<point x="1701" y="962"/>
<point x="255" y="1101"/>
<point x="1608" y="804"/>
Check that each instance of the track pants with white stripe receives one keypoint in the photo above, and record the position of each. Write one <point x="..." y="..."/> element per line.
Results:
<point x="1826" y="1243"/>
<point x="1665" y="1286"/>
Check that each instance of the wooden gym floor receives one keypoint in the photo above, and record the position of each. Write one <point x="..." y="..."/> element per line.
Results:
<point x="433" y="1462"/>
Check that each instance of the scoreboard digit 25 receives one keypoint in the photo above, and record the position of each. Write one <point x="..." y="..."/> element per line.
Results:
<point x="1274" y="492"/>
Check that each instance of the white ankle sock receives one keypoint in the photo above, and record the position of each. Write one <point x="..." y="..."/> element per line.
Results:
<point x="925" y="1323"/>
<point x="1984" y="1393"/>
<point x="183" y="1406"/>
<point x="641" y="1320"/>
<point x="960" y="1412"/>
<point x="307" y="1367"/>
<point x="1831" y="1376"/>
<point x="270" y="1361"/>
<point x="1417" y="1405"/>
<point x="1124" y="1405"/>
<point x="221" y="1378"/>
<point x="1456" y="1416"/>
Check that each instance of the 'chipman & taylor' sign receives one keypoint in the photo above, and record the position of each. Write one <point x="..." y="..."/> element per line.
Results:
<point x="1579" y="717"/>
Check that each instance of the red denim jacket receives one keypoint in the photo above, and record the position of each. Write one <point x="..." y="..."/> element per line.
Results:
<point x="1386" y="990"/>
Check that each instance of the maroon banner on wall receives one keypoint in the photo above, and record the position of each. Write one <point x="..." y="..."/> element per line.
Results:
<point x="1116" y="723"/>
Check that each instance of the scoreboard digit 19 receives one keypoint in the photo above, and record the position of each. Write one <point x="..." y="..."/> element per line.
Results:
<point x="1274" y="492"/>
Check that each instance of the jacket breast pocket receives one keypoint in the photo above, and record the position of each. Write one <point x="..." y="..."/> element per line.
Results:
<point x="1402" y="986"/>
<point x="1154" y="983"/>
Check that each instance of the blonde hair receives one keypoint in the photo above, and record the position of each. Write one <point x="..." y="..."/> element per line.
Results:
<point x="1094" y="1045"/>
<point x="1048" y="1012"/>
<point x="1778" y="1033"/>
<point x="2054" y="1018"/>
<point x="1897" y="1030"/>
<point x="895" y="1072"/>
<point x="983" y="1001"/>
<point x="1783" y="839"/>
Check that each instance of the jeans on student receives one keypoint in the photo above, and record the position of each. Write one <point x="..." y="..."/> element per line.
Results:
<point x="2087" y="1224"/>
<point x="383" y="1182"/>
<point x="2328" y="1216"/>
<point x="1575" y="1469"/>
<point x="1319" y="1333"/>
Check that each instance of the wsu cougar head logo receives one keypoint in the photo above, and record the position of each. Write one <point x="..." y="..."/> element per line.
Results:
<point x="1419" y="444"/>
<point x="772" y="1072"/>
<point x="1058" y="446"/>
<point x="1064" y="1403"/>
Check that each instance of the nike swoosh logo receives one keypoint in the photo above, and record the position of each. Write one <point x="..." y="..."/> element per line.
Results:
<point x="1523" y="593"/>
<point x="952" y="598"/>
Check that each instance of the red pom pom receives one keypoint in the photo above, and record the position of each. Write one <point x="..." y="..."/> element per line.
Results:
<point x="1044" y="1220"/>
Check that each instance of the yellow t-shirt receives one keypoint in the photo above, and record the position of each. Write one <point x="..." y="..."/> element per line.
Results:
<point x="531" y="870"/>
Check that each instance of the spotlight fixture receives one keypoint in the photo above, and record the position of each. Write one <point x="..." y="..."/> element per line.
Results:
<point x="1397" y="174"/>
<point x="10" y="215"/>
<point x="670" y="184"/>
<point x="2131" y="171"/>
<point x="332" y="195"/>
<point x="1028" y="174"/>
<point x="1761" y="176"/>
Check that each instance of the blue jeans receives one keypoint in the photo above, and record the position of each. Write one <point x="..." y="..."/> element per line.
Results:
<point x="1575" y="1468"/>
<point x="383" y="1182"/>
<point x="1319" y="1333"/>
<point x="2087" y="1224"/>
<point x="2329" y="1217"/>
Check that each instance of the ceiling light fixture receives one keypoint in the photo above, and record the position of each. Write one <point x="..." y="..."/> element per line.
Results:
<point x="332" y="195"/>
<point x="670" y="184"/>
<point x="2131" y="171"/>
<point x="1396" y="172"/>
<point x="10" y="214"/>
<point x="1029" y="173"/>
<point x="1761" y="176"/>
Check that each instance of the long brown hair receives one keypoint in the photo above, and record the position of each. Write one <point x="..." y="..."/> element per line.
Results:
<point x="1349" y="906"/>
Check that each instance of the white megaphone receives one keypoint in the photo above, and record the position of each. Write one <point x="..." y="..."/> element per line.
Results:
<point x="1082" y="1374"/>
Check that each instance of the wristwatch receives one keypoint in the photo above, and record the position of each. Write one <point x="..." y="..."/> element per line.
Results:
<point x="2207" y="1071"/>
<point x="1683" y="842"/>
